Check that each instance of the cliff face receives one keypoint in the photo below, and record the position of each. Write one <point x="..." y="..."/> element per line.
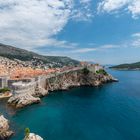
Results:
<point x="61" y="81"/>
<point x="4" y="128"/>
<point x="75" y="79"/>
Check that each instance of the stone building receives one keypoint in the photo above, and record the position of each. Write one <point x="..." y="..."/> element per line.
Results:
<point x="23" y="87"/>
<point x="94" y="67"/>
<point x="4" y="81"/>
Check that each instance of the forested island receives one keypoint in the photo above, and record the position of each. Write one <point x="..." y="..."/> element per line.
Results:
<point x="131" y="66"/>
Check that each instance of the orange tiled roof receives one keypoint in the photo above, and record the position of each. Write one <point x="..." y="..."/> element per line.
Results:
<point x="22" y="72"/>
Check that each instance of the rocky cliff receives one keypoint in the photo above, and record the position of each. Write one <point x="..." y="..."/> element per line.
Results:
<point x="4" y="128"/>
<point x="62" y="81"/>
<point x="77" y="78"/>
<point x="22" y="100"/>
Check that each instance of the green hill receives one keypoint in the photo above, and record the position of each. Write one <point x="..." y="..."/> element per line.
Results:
<point x="132" y="66"/>
<point x="24" y="55"/>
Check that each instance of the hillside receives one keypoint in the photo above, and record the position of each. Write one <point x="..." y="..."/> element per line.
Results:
<point x="132" y="66"/>
<point x="26" y="56"/>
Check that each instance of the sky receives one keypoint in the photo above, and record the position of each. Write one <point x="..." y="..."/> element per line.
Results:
<point x="102" y="31"/>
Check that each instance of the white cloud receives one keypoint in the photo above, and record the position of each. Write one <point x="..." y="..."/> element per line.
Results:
<point x="134" y="8"/>
<point x="93" y="49"/>
<point x="109" y="46"/>
<point x="33" y="23"/>
<point x="135" y="42"/>
<point x="75" y="49"/>
<point x="109" y="6"/>
<point x="82" y="11"/>
<point x="136" y="35"/>
<point x="83" y="50"/>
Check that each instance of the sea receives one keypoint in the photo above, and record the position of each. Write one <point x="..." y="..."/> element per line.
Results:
<point x="108" y="112"/>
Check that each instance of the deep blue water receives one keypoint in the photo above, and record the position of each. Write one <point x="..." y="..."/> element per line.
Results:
<point x="110" y="112"/>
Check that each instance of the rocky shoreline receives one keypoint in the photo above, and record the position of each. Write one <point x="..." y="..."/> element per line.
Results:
<point x="64" y="81"/>
<point x="47" y="85"/>
<point x="5" y="132"/>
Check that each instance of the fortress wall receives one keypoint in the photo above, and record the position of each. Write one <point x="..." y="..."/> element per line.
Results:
<point x="41" y="81"/>
<point x="58" y="81"/>
<point x="62" y="81"/>
<point x="24" y="89"/>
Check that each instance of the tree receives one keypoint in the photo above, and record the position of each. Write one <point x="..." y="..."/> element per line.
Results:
<point x="85" y="71"/>
<point x="27" y="132"/>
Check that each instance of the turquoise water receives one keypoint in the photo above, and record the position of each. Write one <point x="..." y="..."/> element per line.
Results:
<point x="110" y="112"/>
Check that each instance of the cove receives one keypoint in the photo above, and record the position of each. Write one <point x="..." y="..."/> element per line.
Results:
<point x="109" y="112"/>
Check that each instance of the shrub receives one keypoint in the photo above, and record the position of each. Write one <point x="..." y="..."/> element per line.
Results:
<point x="85" y="71"/>
<point x="3" y="90"/>
<point x="27" y="132"/>
<point x="102" y="71"/>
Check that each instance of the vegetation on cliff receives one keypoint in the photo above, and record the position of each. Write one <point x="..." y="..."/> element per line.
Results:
<point x="85" y="71"/>
<point x="102" y="71"/>
<point x="27" y="132"/>
<point x="3" y="90"/>
<point x="31" y="136"/>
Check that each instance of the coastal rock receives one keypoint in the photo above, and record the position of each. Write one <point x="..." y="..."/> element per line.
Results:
<point x="60" y="81"/>
<point x="76" y="79"/>
<point x="33" y="136"/>
<point x="22" y="100"/>
<point x="4" y="128"/>
<point x="40" y="92"/>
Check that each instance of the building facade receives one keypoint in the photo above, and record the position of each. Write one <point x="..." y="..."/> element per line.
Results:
<point x="4" y="81"/>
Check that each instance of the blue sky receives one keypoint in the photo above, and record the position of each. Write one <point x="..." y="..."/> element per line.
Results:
<point x="103" y="31"/>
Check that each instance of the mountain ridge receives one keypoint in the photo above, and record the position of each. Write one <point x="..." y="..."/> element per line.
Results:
<point x="127" y="66"/>
<point x="12" y="52"/>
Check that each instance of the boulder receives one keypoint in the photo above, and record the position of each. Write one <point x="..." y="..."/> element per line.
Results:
<point x="4" y="128"/>
<point x="33" y="136"/>
<point x="22" y="100"/>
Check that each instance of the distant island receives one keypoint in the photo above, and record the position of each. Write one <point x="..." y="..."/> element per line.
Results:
<point x="131" y="66"/>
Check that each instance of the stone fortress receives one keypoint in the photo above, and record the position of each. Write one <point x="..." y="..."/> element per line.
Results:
<point x="28" y="91"/>
<point x="26" y="85"/>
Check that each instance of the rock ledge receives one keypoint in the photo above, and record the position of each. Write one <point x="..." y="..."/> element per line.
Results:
<point x="4" y="128"/>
